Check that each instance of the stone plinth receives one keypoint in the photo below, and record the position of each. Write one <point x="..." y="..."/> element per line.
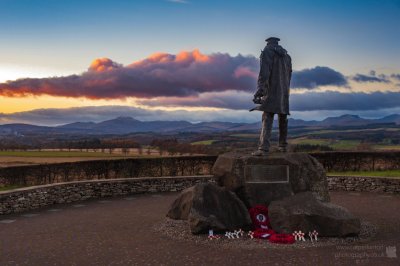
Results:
<point x="293" y="186"/>
<point x="207" y="206"/>
<point x="261" y="180"/>
<point x="304" y="212"/>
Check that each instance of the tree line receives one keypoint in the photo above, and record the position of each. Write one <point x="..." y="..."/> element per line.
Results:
<point x="164" y="146"/>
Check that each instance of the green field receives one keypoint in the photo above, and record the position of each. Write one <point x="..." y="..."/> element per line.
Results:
<point x="56" y="154"/>
<point x="9" y="187"/>
<point x="386" y="147"/>
<point x="345" y="144"/>
<point x="204" y="142"/>
<point x="311" y="141"/>
<point x="325" y="131"/>
<point x="245" y="135"/>
<point x="335" y="144"/>
<point x="385" y="173"/>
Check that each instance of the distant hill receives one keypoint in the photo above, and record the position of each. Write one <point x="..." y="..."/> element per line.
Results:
<point x="126" y="125"/>
<point x="355" y="120"/>
<point x="20" y="129"/>
<point x="78" y="125"/>
<point x="345" y="120"/>
<point x="395" y="118"/>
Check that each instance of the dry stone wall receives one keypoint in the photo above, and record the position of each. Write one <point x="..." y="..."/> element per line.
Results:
<point x="358" y="161"/>
<point x="363" y="184"/>
<point x="41" y="174"/>
<point x="25" y="199"/>
<point x="32" y="175"/>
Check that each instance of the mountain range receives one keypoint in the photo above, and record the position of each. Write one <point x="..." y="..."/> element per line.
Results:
<point x="125" y="125"/>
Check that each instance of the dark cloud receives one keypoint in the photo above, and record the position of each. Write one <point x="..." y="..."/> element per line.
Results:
<point x="188" y="79"/>
<point x="332" y="100"/>
<point x="161" y="74"/>
<point x="395" y="76"/>
<point x="165" y="75"/>
<point x="229" y="100"/>
<point x="372" y="78"/>
<point x="317" y="76"/>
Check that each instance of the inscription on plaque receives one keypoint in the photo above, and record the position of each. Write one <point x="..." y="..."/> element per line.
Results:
<point x="266" y="173"/>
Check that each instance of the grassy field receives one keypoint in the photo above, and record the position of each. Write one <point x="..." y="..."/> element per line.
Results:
<point x="339" y="145"/>
<point x="386" y="147"/>
<point x="310" y="141"/>
<point x="385" y="173"/>
<point x="56" y="154"/>
<point x="19" y="158"/>
<point x="325" y="131"/>
<point x="204" y="142"/>
<point x="9" y="187"/>
<point x="335" y="144"/>
<point x="345" y="144"/>
<point x="245" y="135"/>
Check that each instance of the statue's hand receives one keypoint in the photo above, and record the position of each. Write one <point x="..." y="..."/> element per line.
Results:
<point x="259" y="93"/>
<point x="258" y="97"/>
<point x="257" y="100"/>
<point x="264" y="98"/>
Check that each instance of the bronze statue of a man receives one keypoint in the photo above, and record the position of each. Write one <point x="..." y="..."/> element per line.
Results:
<point x="273" y="93"/>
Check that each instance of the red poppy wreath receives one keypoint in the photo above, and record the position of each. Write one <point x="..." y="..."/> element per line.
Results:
<point x="261" y="223"/>
<point x="281" y="239"/>
<point x="259" y="217"/>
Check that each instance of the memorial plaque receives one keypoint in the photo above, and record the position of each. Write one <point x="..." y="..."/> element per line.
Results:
<point x="266" y="173"/>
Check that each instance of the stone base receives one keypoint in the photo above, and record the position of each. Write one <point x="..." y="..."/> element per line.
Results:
<point x="261" y="180"/>
<point x="292" y="185"/>
<point x="207" y="206"/>
<point x="304" y="212"/>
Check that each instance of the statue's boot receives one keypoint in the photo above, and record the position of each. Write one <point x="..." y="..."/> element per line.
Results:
<point x="283" y="130"/>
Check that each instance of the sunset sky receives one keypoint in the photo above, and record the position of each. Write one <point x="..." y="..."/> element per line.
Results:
<point x="195" y="60"/>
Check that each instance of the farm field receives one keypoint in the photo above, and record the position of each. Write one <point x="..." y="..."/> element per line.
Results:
<point x="204" y="142"/>
<point x="335" y="144"/>
<point x="352" y="131"/>
<point x="329" y="141"/>
<point x="382" y="147"/>
<point x="19" y="158"/>
<point x="5" y="188"/>
<point x="56" y="154"/>
<point x="384" y="173"/>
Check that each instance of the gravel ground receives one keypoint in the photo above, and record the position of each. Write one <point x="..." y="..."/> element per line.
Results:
<point x="179" y="230"/>
<point x="134" y="231"/>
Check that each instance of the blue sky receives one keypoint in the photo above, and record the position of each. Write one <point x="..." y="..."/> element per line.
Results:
<point x="60" y="38"/>
<point x="316" y="32"/>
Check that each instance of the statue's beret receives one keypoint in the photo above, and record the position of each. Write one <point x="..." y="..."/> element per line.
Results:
<point x="272" y="39"/>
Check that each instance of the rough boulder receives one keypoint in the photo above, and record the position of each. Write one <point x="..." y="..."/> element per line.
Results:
<point x="304" y="212"/>
<point x="207" y="206"/>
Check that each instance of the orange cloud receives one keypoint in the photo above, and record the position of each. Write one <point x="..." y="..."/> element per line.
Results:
<point x="158" y="57"/>
<point x="103" y="64"/>
<point x="188" y="73"/>
<point x="195" y="55"/>
<point x="189" y="57"/>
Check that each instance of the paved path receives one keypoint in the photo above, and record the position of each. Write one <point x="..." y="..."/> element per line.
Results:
<point x="118" y="231"/>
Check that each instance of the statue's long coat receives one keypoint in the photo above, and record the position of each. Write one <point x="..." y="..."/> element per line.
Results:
<point x="274" y="79"/>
